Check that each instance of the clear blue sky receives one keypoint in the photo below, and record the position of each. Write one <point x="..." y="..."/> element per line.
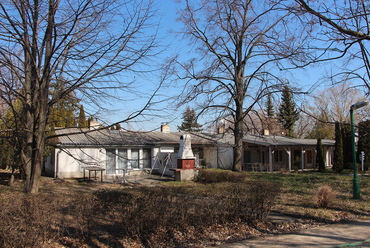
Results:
<point x="165" y="111"/>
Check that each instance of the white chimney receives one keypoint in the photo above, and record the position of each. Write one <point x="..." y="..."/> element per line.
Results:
<point x="185" y="151"/>
<point x="94" y="125"/>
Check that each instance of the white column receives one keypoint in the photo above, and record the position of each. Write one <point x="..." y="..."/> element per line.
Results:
<point x="303" y="150"/>
<point x="289" y="158"/>
<point x="141" y="154"/>
<point x="129" y="158"/>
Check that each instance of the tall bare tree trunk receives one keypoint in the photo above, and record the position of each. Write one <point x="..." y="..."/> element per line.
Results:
<point x="238" y="129"/>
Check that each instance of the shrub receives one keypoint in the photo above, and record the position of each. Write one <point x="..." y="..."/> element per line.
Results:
<point x="144" y="213"/>
<point x="297" y="163"/>
<point x="324" y="196"/>
<point x="218" y="176"/>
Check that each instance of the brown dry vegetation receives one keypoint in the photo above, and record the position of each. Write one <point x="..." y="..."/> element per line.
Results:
<point x="72" y="214"/>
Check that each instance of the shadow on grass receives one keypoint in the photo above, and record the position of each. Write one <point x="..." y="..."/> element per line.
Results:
<point x="5" y="177"/>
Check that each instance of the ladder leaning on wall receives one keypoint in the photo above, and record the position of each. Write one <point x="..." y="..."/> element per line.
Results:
<point x="167" y="162"/>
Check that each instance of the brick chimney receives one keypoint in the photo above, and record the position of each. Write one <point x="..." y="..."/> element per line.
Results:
<point x="165" y="128"/>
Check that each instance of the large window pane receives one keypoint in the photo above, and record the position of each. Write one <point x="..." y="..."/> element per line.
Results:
<point x="134" y="158"/>
<point x="122" y="159"/>
<point x="110" y="161"/>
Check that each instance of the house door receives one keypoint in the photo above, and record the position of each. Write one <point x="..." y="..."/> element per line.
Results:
<point x="147" y="158"/>
<point x="297" y="154"/>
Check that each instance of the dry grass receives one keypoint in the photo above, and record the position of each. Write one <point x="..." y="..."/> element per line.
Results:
<point x="324" y="196"/>
<point x="299" y="195"/>
<point x="72" y="214"/>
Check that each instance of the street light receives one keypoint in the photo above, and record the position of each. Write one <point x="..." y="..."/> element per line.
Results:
<point x="356" y="185"/>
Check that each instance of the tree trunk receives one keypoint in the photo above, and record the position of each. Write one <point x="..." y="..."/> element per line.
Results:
<point x="238" y="135"/>
<point x="11" y="180"/>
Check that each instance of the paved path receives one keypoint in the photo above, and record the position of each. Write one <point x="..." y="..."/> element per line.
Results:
<point x="352" y="234"/>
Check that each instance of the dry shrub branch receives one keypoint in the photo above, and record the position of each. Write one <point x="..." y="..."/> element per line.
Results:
<point x="140" y="213"/>
<point x="324" y="196"/>
<point x="218" y="176"/>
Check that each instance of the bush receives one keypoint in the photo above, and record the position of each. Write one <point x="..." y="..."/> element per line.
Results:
<point x="218" y="176"/>
<point x="297" y="164"/>
<point x="147" y="210"/>
<point x="324" y="196"/>
<point x="145" y="213"/>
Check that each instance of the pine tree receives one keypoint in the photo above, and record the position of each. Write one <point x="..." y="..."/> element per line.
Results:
<point x="288" y="114"/>
<point x="70" y="120"/>
<point x="364" y="140"/>
<point x="338" y="152"/>
<point x="189" y="123"/>
<point x="320" y="156"/>
<point x="347" y="146"/>
<point x="269" y="107"/>
<point x="82" y="122"/>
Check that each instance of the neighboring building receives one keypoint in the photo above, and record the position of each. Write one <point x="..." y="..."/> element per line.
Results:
<point x="138" y="151"/>
<point x="275" y="153"/>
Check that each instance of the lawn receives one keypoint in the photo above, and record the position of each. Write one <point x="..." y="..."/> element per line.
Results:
<point x="223" y="207"/>
<point x="298" y="196"/>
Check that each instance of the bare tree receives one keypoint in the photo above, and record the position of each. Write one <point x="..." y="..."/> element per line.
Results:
<point x="330" y="106"/>
<point x="241" y="45"/>
<point x="92" y="47"/>
<point x="345" y="29"/>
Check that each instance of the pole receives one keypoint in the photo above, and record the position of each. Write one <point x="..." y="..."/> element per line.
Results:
<point x="356" y="185"/>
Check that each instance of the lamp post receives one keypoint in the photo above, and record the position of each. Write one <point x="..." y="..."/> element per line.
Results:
<point x="356" y="185"/>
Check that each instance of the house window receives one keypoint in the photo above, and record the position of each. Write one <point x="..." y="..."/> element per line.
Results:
<point x="110" y="161"/>
<point x="309" y="156"/>
<point x="121" y="159"/>
<point x="116" y="159"/>
<point x="134" y="158"/>
<point x="247" y="156"/>
<point x="278" y="156"/>
<point x="147" y="158"/>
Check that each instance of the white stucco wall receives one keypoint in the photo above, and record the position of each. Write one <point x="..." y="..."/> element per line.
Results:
<point x="70" y="165"/>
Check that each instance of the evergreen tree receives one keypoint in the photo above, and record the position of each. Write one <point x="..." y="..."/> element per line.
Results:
<point x="364" y="141"/>
<point x="89" y="120"/>
<point x="269" y="107"/>
<point x="320" y="156"/>
<point x="347" y="146"/>
<point x="70" y="119"/>
<point x="82" y="122"/>
<point x="63" y="114"/>
<point x="189" y="123"/>
<point x="338" y="152"/>
<point x="288" y="113"/>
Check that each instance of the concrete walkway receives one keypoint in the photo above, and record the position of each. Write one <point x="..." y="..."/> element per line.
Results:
<point x="351" y="234"/>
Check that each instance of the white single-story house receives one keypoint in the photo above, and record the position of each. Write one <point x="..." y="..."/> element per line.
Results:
<point x="138" y="151"/>
<point x="134" y="151"/>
